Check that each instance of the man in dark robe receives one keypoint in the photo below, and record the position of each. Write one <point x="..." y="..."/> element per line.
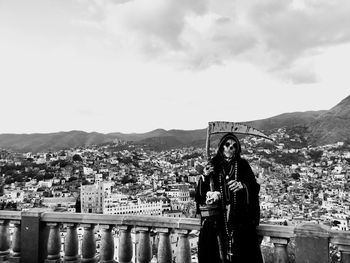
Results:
<point x="228" y="197"/>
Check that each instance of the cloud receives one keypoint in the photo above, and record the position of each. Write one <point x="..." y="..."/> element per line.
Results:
<point x="199" y="33"/>
<point x="148" y="28"/>
<point x="293" y="32"/>
<point x="189" y="34"/>
<point x="299" y="76"/>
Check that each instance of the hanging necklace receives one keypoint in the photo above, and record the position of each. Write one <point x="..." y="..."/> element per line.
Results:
<point x="229" y="233"/>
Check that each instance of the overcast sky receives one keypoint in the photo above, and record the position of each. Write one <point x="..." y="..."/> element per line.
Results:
<point x="134" y="66"/>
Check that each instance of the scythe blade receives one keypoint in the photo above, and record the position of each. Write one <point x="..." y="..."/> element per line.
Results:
<point x="225" y="126"/>
<point x="215" y="127"/>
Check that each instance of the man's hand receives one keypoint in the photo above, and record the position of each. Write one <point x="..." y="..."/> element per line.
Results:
<point x="234" y="185"/>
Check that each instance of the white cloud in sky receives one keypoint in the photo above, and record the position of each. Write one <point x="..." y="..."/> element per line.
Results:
<point x="132" y="66"/>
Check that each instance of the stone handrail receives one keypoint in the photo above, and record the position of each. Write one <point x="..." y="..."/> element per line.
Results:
<point x="37" y="236"/>
<point x="132" y="220"/>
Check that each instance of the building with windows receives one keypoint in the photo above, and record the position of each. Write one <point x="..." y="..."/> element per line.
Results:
<point x="179" y="193"/>
<point x="94" y="196"/>
<point x="98" y="198"/>
<point x="155" y="208"/>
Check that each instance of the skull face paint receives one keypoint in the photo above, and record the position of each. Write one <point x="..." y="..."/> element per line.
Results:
<point x="229" y="148"/>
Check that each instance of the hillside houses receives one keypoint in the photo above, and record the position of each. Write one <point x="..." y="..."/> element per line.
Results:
<point x="298" y="182"/>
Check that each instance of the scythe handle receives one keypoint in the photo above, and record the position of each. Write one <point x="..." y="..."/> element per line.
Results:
<point x="211" y="182"/>
<point x="207" y="146"/>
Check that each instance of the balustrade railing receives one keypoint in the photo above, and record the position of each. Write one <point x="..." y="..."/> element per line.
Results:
<point x="38" y="236"/>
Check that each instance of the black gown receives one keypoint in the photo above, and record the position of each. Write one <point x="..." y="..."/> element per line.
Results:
<point x="234" y="239"/>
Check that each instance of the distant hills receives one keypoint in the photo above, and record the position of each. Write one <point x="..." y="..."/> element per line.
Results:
<point x="37" y="142"/>
<point x="323" y="127"/>
<point x="333" y="125"/>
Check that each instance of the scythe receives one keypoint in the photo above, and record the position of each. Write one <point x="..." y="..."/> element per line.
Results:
<point x="216" y="127"/>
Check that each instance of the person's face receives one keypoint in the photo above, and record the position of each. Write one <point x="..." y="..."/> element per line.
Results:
<point x="230" y="147"/>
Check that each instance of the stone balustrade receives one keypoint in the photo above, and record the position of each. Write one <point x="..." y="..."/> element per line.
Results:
<point x="39" y="236"/>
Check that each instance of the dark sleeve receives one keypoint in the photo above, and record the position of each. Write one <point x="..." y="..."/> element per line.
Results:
<point x="203" y="186"/>
<point x="253" y="189"/>
<point x="201" y="190"/>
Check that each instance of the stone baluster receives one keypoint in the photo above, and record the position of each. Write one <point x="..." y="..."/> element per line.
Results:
<point x="164" y="246"/>
<point x="183" y="253"/>
<point x="71" y="244"/>
<point x="4" y="240"/>
<point x="144" y="251"/>
<point x="281" y="252"/>
<point x="88" y="251"/>
<point x="125" y="244"/>
<point x="53" y="243"/>
<point x="16" y="242"/>
<point x="345" y="253"/>
<point x="107" y="244"/>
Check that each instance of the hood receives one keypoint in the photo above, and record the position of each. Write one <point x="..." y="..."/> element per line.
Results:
<point x="224" y="139"/>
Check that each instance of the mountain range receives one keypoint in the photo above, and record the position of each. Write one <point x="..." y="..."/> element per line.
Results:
<point x="323" y="127"/>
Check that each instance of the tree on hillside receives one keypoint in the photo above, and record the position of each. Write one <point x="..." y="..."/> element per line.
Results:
<point x="296" y="176"/>
<point x="315" y="155"/>
<point x="288" y="158"/>
<point x="77" y="158"/>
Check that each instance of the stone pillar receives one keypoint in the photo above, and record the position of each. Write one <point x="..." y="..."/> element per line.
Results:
<point x="71" y="244"/>
<point x="53" y="244"/>
<point x="311" y="243"/>
<point x="183" y="253"/>
<point x="16" y="242"/>
<point x="88" y="246"/>
<point x="4" y="240"/>
<point x="34" y="233"/>
<point x="107" y="244"/>
<point x="144" y="251"/>
<point x="125" y="245"/>
<point x="164" y="246"/>
<point x="281" y="252"/>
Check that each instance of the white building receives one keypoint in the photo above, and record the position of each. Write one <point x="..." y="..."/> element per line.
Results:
<point x="46" y="183"/>
<point x="93" y="197"/>
<point x="14" y="196"/>
<point x="155" y="208"/>
<point x="88" y="171"/>
<point x="341" y="222"/>
<point x="98" y="178"/>
<point x="98" y="198"/>
<point x="179" y="193"/>
<point x="54" y="202"/>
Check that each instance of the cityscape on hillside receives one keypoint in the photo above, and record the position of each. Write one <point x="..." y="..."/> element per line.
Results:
<point x="299" y="183"/>
<point x="174" y="132"/>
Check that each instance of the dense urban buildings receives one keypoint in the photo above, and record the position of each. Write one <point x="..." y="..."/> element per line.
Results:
<point x="298" y="182"/>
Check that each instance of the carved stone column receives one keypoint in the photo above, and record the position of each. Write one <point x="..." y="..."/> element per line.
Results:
<point x="144" y="251"/>
<point x="71" y="244"/>
<point x="53" y="244"/>
<point x="183" y="253"/>
<point x="4" y="240"/>
<point x="107" y="244"/>
<point x="16" y="242"/>
<point x="281" y="252"/>
<point x="88" y="250"/>
<point x="164" y="246"/>
<point x="125" y="244"/>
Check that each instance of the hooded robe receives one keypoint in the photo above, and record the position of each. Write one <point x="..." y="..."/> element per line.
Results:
<point x="229" y="233"/>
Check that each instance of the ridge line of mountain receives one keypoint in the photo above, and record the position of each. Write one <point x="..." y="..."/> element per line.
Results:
<point x="322" y="127"/>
